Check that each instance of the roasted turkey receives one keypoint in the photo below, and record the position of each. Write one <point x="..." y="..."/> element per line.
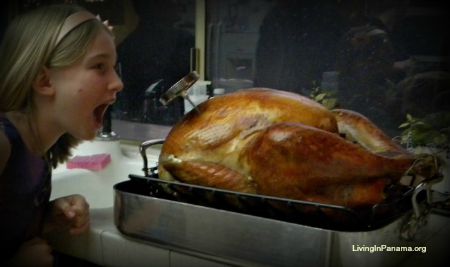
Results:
<point x="278" y="143"/>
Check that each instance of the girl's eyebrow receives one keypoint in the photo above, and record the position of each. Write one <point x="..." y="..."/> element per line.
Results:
<point x="98" y="56"/>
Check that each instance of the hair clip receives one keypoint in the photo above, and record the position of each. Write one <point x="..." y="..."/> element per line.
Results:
<point x="106" y="23"/>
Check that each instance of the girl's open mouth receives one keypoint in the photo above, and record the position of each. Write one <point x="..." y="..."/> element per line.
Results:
<point x="99" y="113"/>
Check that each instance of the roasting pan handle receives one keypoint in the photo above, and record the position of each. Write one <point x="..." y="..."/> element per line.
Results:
<point x="142" y="149"/>
<point x="420" y="212"/>
<point x="415" y="203"/>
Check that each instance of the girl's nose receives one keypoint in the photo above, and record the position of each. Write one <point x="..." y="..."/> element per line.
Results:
<point x="116" y="84"/>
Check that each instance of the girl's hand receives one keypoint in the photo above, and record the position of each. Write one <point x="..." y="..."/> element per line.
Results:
<point x="71" y="213"/>
<point x="34" y="253"/>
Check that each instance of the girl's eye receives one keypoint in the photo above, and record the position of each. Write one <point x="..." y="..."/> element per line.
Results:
<point x="118" y="69"/>
<point x="100" y="67"/>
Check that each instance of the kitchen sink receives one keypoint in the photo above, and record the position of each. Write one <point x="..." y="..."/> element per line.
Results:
<point x="97" y="186"/>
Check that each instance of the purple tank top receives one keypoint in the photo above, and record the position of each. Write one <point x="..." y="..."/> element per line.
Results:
<point x="25" y="187"/>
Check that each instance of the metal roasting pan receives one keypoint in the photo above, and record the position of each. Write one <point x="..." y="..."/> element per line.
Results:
<point x="250" y="230"/>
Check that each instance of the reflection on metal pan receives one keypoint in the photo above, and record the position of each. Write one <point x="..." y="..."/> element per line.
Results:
<point x="324" y="216"/>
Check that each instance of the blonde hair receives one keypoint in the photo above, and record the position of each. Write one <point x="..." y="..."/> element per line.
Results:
<point x="30" y="44"/>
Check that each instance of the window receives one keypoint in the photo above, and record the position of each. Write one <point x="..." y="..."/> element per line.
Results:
<point x="154" y="52"/>
<point x="152" y="57"/>
<point x="384" y="59"/>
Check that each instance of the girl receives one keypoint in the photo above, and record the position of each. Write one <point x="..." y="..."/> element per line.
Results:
<point x="57" y="78"/>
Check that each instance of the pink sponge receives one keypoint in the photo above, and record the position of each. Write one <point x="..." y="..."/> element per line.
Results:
<point x="93" y="162"/>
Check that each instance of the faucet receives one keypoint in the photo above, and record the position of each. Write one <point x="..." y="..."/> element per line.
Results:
<point x="107" y="134"/>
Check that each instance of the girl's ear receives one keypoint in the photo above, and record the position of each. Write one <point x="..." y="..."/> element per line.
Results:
<point x="42" y="84"/>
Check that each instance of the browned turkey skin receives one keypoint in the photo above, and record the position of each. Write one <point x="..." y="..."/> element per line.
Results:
<point x="278" y="143"/>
